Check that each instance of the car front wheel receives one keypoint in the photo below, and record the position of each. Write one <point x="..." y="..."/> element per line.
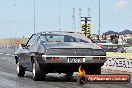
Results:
<point x="20" y="70"/>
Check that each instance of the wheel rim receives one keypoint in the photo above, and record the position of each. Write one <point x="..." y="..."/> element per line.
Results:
<point x="34" y="70"/>
<point x="18" y="68"/>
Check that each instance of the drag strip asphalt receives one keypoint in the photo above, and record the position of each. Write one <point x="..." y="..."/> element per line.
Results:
<point x="9" y="79"/>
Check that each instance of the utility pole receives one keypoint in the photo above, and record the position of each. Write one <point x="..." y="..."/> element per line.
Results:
<point x="99" y="19"/>
<point x="34" y="19"/>
<point x="80" y="24"/>
<point x="59" y="18"/>
<point x="74" y="19"/>
<point x="85" y="26"/>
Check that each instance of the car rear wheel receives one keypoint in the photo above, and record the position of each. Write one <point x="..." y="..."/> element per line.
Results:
<point x="20" y="70"/>
<point x="37" y="73"/>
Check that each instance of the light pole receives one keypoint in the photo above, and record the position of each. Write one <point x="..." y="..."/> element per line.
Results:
<point x="99" y="19"/>
<point x="34" y="19"/>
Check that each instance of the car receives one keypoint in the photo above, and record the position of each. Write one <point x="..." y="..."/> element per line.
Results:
<point x="101" y="41"/>
<point x="109" y="46"/>
<point x="58" y="52"/>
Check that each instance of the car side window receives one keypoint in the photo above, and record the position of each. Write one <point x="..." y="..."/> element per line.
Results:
<point x="42" y="39"/>
<point x="32" y="40"/>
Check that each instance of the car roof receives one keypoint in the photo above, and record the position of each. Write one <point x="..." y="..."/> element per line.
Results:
<point x="61" y="33"/>
<point x="57" y="32"/>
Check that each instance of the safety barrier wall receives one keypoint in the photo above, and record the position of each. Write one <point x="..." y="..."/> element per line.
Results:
<point x="8" y="46"/>
<point x="118" y="63"/>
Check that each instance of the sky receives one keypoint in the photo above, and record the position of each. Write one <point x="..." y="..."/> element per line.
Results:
<point x="17" y="16"/>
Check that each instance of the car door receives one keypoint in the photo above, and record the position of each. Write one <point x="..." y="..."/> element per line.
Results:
<point x="26" y="53"/>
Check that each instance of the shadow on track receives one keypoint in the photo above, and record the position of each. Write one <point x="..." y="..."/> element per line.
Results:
<point x="51" y="78"/>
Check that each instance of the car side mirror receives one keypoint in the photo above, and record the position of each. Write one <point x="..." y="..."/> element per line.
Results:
<point x="23" y="45"/>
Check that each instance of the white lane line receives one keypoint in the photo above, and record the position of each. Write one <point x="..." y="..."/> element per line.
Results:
<point x="1" y="53"/>
<point x="131" y="81"/>
<point x="8" y="54"/>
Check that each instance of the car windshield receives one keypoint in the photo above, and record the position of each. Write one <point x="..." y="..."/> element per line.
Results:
<point x="63" y="38"/>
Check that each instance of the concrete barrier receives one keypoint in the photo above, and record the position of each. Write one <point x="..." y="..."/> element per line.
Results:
<point x="11" y="43"/>
<point x="8" y="47"/>
<point x="118" y="64"/>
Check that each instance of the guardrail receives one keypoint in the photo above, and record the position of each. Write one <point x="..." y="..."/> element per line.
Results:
<point x="8" y="46"/>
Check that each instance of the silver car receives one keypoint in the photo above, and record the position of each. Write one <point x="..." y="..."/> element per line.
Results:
<point x="62" y="52"/>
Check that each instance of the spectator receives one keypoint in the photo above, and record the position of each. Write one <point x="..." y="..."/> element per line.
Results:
<point x="116" y="40"/>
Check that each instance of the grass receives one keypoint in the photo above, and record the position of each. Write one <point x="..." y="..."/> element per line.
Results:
<point x="121" y="55"/>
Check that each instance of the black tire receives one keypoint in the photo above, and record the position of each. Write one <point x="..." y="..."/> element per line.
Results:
<point x="37" y="73"/>
<point x="20" y="70"/>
